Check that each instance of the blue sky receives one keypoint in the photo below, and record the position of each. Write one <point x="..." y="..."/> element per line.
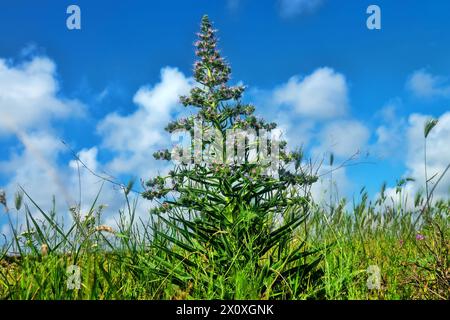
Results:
<point x="108" y="89"/>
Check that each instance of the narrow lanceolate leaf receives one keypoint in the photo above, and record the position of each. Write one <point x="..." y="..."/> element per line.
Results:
<point x="48" y="218"/>
<point x="180" y="258"/>
<point x="177" y="242"/>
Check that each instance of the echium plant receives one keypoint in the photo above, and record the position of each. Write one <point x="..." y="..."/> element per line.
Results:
<point x="220" y="216"/>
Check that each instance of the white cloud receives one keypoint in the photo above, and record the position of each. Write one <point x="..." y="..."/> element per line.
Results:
<point x="390" y="133"/>
<point x="295" y="132"/>
<point x="37" y="167"/>
<point x="426" y="85"/>
<point x="34" y="168"/>
<point x="343" y="138"/>
<point x="321" y="95"/>
<point x="91" y="184"/>
<point x="290" y="8"/>
<point x="29" y="96"/>
<point x="36" y="163"/>
<point x="312" y="108"/>
<point x="438" y="151"/>
<point x="332" y="185"/>
<point x="438" y="157"/>
<point x="134" y="137"/>
<point x="30" y="101"/>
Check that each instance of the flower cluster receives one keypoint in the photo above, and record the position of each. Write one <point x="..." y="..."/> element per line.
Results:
<point x="155" y="188"/>
<point x="253" y="122"/>
<point x="197" y="98"/>
<point x="162" y="155"/>
<point x="295" y="157"/>
<point x="164" y="208"/>
<point x="229" y="93"/>
<point x="180" y="124"/>
<point x="211" y="70"/>
<point x="245" y="110"/>
<point x="292" y="178"/>
<point x="220" y="109"/>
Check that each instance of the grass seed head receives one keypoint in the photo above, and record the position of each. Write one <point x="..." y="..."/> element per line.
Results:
<point x="3" y="199"/>
<point x="104" y="228"/>
<point x="44" y="249"/>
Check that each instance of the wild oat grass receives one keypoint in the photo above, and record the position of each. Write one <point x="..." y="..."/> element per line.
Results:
<point x="127" y="264"/>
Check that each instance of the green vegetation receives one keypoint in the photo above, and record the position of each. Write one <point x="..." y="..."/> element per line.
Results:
<point x="226" y="231"/>
<point x="130" y="264"/>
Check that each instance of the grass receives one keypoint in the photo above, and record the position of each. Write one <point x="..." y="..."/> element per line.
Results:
<point x="384" y="249"/>
<point x="230" y="232"/>
<point x="126" y="263"/>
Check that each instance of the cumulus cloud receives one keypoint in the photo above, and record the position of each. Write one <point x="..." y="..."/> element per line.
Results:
<point x="91" y="185"/>
<point x="331" y="186"/>
<point x="37" y="167"/>
<point x="310" y="108"/>
<point x="30" y="102"/>
<point x="390" y="134"/>
<point x="37" y="162"/>
<point x="291" y="8"/>
<point x="426" y="85"/>
<point x="134" y="137"/>
<point x="438" y="151"/>
<point x="296" y="134"/>
<point x="320" y="95"/>
<point x="29" y="96"/>
<point x="313" y="112"/>
<point x="343" y="138"/>
<point x="438" y="157"/>
<point x="34" y="165"/>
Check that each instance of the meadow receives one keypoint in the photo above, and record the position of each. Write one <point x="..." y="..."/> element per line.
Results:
<point x="232" y="232"/>
<point x="129" y="262"/>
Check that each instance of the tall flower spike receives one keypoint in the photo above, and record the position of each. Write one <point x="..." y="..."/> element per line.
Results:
<point x="211" y="71"/>
<point x="220" y="111"/>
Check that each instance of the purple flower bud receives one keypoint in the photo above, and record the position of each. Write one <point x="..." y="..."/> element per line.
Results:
<point x="420" y="237"/>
